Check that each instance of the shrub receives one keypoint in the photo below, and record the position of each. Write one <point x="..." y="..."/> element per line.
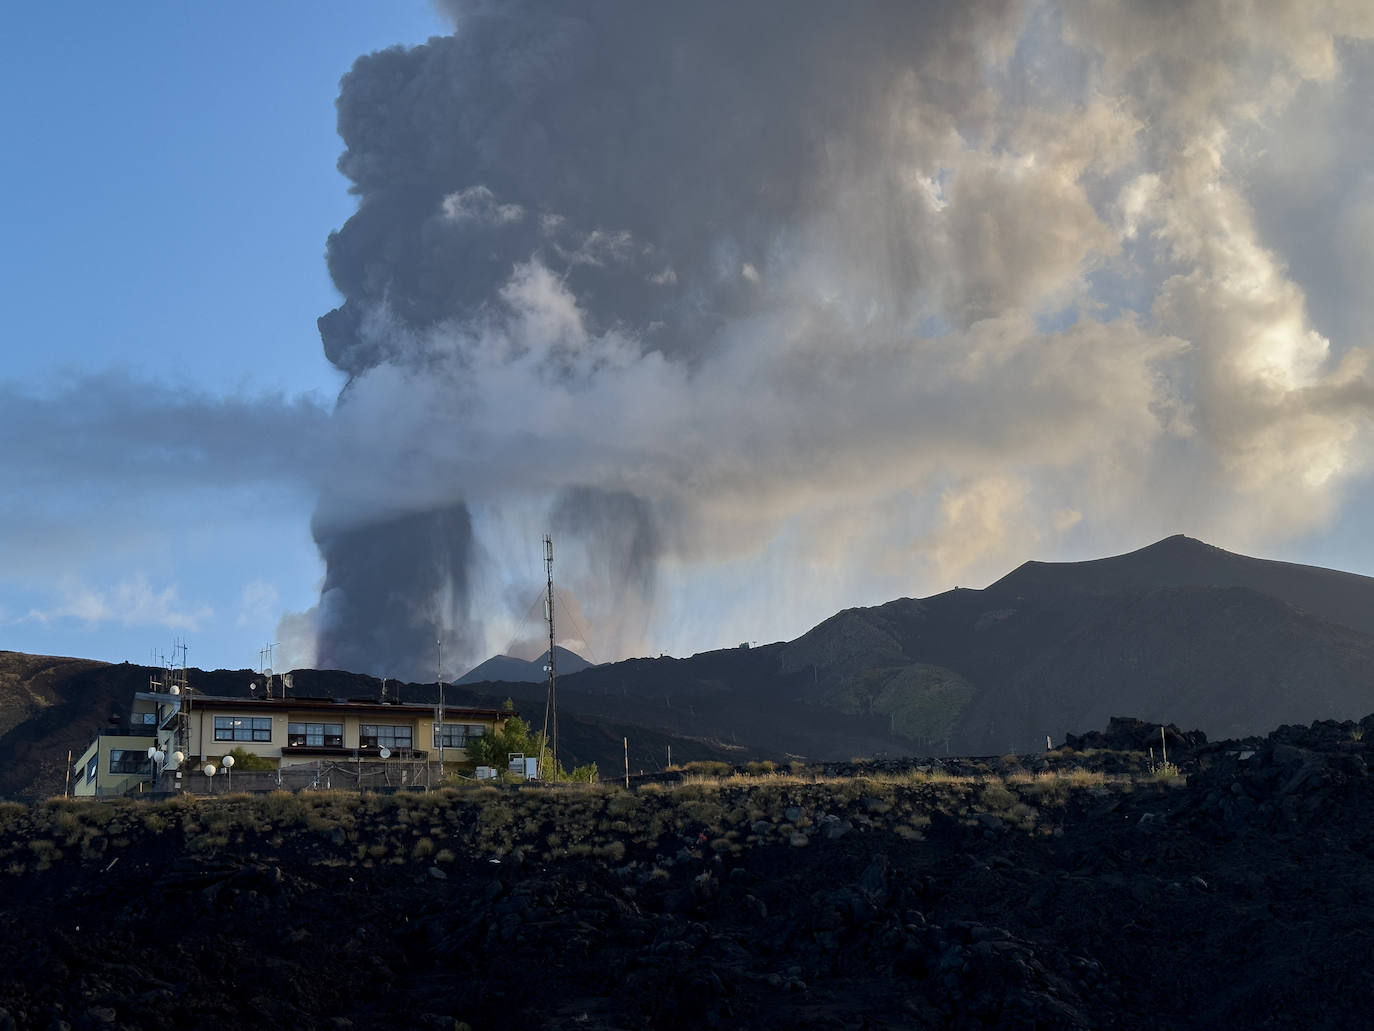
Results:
<point x="248" y="761"/>
<point x="709" y="768"/>
<point x="45" y="851"/>
<point x="155" y="821"/>
<point x="282" y="808"/>
<point x="1165" y="771"/>
<point x="612" y="850"/>
<point x="583" y="774"/>
<point x="997" y="797"/>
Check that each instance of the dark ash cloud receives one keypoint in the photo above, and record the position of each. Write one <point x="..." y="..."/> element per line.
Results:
<point x="905" y="290"/>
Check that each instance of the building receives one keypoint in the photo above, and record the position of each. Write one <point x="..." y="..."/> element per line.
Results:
<point x="177" y="733"/>
<point x="115" y="763"/>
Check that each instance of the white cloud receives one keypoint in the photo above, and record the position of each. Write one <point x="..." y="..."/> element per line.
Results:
<point x="132" y="603"/>
<point x="479" y="204"/>
<point x="259" y="604"/>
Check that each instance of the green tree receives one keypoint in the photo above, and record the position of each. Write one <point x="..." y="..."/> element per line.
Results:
<point x="517" y="737"/>
<point x="493" y="749"/>
<point x="245" y="760"/>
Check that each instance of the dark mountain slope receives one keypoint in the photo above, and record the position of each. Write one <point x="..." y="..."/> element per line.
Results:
<point x="515" y="671"/>
<point x="1181" y="561"/>
<point x="1178" y="631"/>
<point x="735" y="700"/>
<point x="54" y="705"/>
<point x="1228" y="660"/>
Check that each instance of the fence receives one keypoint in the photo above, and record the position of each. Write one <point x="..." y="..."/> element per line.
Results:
<point x="320" y="775"/>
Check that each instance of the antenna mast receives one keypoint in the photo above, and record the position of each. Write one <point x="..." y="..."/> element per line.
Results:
<point x="440" y="644"/>
<point x="551" y="700"/>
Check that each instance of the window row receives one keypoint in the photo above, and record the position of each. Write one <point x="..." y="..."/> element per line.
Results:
<point x="243" y="728"/>
<point x="314" y="735"/>
<point x="384" y="735"/>
<point x="128" y="760"/>
<point x="457" y="735"/>
<point x="330" y="735"/>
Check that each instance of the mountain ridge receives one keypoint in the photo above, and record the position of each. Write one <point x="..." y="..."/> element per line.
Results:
<point x="1182" y="561"/>
<point x="1179" y="631"/>
<point x="510" y="669"/>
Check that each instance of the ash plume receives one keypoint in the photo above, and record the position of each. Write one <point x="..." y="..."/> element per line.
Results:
<point x="770" y="308"/>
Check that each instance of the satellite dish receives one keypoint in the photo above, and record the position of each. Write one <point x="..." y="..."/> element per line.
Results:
<point x="385" y="753"/>
<point x="152" y="752"/>
<point x="159" y="755"/>
<point x="227" y="761"/>
<point x="175" y="690"/>
<point x="209" y="769"/>
<point x="180" y="757"/>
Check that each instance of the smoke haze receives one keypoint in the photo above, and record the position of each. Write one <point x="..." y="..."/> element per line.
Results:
<point x="767" y="309"/>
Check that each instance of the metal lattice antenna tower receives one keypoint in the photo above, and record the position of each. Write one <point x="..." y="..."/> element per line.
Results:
<point x="440" y="645"/>
<point x="551" y="699"/>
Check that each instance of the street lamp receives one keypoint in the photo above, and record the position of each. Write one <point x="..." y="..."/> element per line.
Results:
<point x="227" y="762"/>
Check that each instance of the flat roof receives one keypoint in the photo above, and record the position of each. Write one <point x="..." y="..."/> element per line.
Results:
<point x="211" y="701"/>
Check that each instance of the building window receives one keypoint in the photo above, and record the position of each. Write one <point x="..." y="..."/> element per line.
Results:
<point x="314" y="735"/>
<point x="143" y="719"/>
<point x="384" y="735"/>
<point x="127" y="760"/>
<point x="457" y="735"/>
<point x="243" y="728"/>
<point x="92" y="767"/>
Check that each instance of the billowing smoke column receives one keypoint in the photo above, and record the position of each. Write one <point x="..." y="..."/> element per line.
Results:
<point x="801" y="304"/>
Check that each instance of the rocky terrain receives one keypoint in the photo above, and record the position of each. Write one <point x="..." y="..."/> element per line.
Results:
<point x="1074" y="889"/>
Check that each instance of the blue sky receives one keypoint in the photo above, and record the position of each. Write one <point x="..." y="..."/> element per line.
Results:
<point x="901" y="300"/>
<point x="166" y="191"/>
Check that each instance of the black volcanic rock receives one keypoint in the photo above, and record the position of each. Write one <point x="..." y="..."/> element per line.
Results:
<point x="1128" y="734"/>
<point x="1236" y="897"/>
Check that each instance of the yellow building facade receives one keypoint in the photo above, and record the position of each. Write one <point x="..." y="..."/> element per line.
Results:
<point x="186" y="731"/>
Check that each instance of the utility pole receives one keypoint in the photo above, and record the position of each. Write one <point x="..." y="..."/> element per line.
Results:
<point x="551" y="699"/>
<point x="440" y="645"/>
